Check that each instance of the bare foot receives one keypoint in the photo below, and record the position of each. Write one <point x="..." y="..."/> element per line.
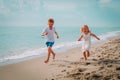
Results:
<point x="85" y="56"/>
<point x="46" y="61"/>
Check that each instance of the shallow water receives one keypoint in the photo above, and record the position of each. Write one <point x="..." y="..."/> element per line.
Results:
<point x="21" y="42"/>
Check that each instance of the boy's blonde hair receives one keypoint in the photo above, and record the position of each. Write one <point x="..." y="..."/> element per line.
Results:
<point x="51" y="20"/>
<point x="81" y="30"/>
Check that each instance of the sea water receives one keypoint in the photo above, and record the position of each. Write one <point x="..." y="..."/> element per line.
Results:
<point x="21" y="43"/>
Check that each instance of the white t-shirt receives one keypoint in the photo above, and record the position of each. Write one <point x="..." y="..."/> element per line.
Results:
<point x="50" y="35"/>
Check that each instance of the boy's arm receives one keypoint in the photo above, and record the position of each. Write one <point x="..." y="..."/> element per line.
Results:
<point x="80" y="38"/>
<point x="57" y="34"/>
<point x="95" y="36"/>
<point x="44" y="34"/>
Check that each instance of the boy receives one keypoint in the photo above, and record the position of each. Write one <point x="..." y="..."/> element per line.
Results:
<point x="49" y="33"/>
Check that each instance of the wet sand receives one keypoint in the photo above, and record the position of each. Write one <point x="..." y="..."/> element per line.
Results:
<point x="103" y="64"/>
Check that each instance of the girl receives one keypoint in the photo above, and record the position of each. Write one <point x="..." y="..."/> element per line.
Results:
<point x="86" y="35"/>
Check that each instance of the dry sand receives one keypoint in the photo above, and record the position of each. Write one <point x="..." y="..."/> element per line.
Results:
<point x="103" y="64"/>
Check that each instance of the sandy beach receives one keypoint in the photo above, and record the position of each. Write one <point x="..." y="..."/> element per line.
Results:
<point x="103" y="64"/>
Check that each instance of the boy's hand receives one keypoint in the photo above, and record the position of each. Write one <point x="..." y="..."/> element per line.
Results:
<point x="44" y="34"/>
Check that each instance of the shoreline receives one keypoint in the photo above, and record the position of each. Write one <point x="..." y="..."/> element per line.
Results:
<point x="69" y="66"/>
<point x="32" y="54"/>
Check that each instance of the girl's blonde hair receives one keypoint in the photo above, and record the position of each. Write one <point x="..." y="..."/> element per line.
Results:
<point x="81" y="30"/>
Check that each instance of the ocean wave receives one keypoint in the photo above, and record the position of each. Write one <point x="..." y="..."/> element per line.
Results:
<point x="58" y="48"/>
<point x="110" y="35"/>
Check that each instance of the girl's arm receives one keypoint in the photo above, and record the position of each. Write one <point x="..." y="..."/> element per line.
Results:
<point x="57" y="34"/>
<point x="95" y="36"/>
<point x="80" y="38"/>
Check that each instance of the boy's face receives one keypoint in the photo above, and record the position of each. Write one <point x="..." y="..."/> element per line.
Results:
<point x="50" y="24"/>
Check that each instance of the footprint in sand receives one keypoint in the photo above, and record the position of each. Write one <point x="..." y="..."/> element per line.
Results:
<point x="96" y="77"/>
<point x="101" y="58"/>
<point x="109" y="66"/>
<point x="61" y="65"/>
<point x="118" y="77"/>
<point x="87" y="63"/>
<point x="94" y="59"/>
<point x="116" y="57"/>
<point x="82" y="58"/>
<point x="118" y="68"/>
<point x="101" y="68"/>
<point x="63" y="70"/>
<point x="82" y="69"/>
<point x="98" y="56"/>
<point x="77" y="72"/>
<point x="68" y="66"/>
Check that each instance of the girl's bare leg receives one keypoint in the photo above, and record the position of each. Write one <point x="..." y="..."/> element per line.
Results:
<point x="88" y="53"/>
<point x="85" y="57"/>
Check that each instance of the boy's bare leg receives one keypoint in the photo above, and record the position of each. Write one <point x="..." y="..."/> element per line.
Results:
<point x="49" y="51"/>
<point x="53" y="53"/>
<point x="85" y="57"/>
<point x="88" y="53"/>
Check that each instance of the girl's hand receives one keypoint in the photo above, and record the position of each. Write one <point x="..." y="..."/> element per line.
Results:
<point x="79" y="39"/>
<point x="98" y="38"/>
<point x="57" y="37"/>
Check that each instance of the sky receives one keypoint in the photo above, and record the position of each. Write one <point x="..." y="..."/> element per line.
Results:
<point x="31" y="13"/>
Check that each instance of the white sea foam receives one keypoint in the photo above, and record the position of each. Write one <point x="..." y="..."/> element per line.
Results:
<point x="110" y="35"/>
<point x="58" y="48"/>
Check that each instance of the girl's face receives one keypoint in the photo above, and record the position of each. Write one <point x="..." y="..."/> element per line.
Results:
<point x="85" y="30"/>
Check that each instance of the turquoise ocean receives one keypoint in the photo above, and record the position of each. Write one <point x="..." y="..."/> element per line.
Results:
<point x="22" y="43"/>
